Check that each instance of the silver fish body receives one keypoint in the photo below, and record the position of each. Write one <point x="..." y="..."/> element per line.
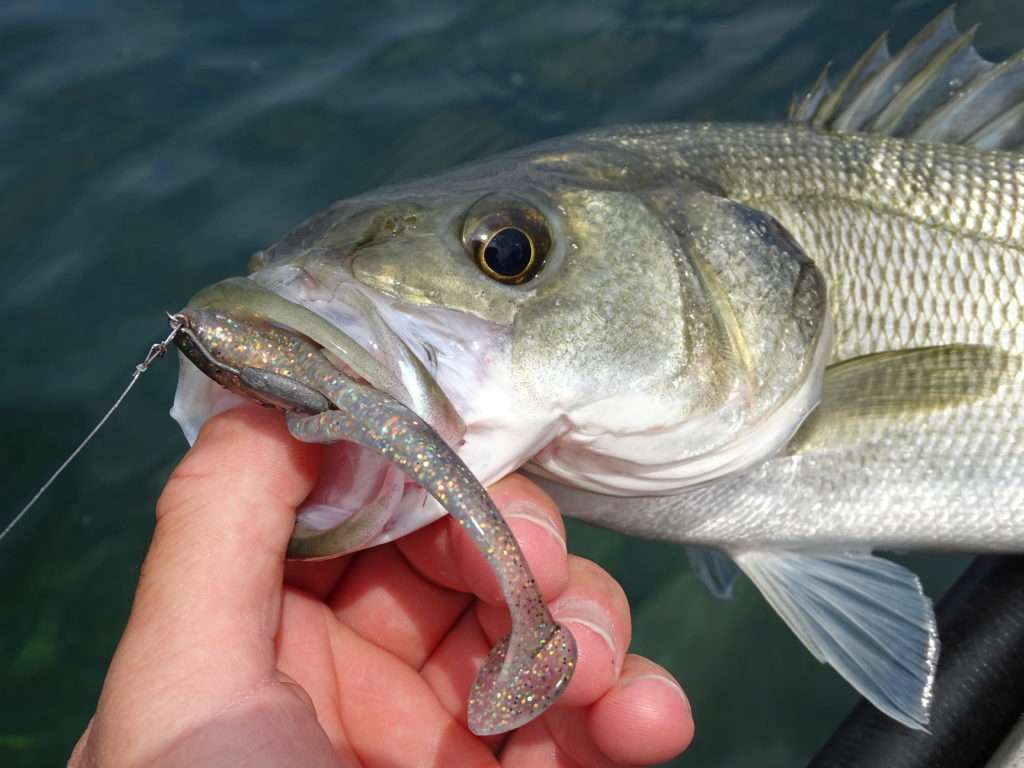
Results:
<point x="789" y="343"/>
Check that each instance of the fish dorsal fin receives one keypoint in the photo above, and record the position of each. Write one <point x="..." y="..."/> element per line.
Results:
<point x="904" y="383"/>
<point x="865" y="616"/>
<point x="937" y="88"/>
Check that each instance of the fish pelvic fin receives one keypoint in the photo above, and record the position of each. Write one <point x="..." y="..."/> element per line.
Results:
<point x="937" y="88"/>
<point x="715" y="569"/>
<point x="865" y="616"/>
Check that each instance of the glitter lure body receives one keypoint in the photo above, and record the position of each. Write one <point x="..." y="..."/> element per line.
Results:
<point x="525" y="673"/>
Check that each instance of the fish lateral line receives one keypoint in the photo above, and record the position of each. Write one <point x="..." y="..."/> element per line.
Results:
<point x="156" y="351"/>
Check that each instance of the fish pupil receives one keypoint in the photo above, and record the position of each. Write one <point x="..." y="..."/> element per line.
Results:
<point x="509" y="252"/>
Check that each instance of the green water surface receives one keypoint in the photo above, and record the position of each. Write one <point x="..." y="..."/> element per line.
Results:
<point x="148" y="148"/>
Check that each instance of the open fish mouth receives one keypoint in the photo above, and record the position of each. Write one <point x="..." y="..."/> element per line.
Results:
<point x="361" y="498"/>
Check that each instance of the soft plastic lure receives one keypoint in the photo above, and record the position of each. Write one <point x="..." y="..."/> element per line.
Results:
<point x="526" y="672"/>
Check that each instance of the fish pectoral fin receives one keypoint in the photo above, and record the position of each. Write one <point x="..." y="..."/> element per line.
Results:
<point x="864" y="615"/>
<point x="936" y="88"/>
<point x="715" y="568"/>
<point x="903" y="384"/>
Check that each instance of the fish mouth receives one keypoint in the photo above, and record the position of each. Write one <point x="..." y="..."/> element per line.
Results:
<point x="241" y="341"/>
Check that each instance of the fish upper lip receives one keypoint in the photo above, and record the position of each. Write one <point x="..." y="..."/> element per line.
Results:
<point x="247" y="298"/>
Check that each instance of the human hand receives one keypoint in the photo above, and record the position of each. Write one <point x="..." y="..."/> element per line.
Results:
<point x="232" y="658"/>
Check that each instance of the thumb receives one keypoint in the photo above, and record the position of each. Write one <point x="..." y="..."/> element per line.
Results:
<point x="212" y="577"/>
<point x="200" y="636"/>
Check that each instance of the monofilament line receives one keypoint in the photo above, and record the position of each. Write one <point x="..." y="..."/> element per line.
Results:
<point x="155" y="351"/>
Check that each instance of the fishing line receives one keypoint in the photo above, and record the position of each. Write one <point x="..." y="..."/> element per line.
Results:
<point x="156" y="351"/>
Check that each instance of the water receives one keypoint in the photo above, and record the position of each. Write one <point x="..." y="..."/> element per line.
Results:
<point x="146" y="149"/>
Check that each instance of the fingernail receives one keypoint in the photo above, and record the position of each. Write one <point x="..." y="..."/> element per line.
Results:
<point x="590" y="616"/>
<point x="524" y="510"/>
<point x="667" y="681"/>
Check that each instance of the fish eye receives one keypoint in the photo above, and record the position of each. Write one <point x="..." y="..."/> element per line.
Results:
<point x="508" y="256"/>
<point x="507" y="239"/>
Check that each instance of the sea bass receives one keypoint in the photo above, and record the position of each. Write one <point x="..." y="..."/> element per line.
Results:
<point x="784" y="345"/>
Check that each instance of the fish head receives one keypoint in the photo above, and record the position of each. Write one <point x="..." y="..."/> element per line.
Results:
<point x="571" y="306"/>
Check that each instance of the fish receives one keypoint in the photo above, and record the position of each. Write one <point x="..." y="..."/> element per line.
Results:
<point x="783" y="345"/>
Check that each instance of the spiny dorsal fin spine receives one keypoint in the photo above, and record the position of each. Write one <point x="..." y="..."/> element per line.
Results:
<point x="936" y="88"/>
<point x="913" y="97"/>
<point x="1007" y="130"/>
<point x="876" y="57"/>
<point x="876" y="92"/>
<point x="996" y="91"/>
<point x="802" y="108"/>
